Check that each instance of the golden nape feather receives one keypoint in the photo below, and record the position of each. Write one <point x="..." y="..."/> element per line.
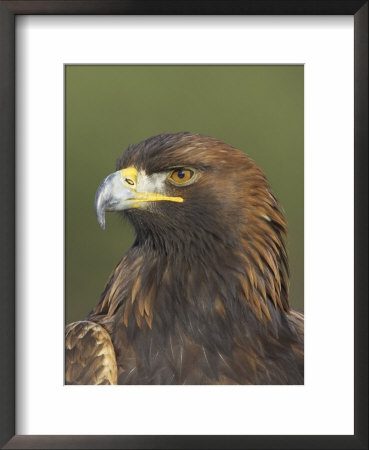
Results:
<point x="201" y="297"/>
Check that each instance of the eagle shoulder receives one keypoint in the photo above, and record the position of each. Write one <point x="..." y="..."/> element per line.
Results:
<point x="297" y="321"/>
<point x="89" y="355"/>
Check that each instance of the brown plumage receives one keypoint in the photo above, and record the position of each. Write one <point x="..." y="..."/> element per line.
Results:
<point x="201" y="297"/>
<point x="99" y="367"/>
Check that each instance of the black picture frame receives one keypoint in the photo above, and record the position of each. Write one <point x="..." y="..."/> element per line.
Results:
<point x="8" y="12"/>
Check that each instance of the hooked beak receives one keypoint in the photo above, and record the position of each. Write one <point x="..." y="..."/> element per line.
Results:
<point x="120" y="191"/>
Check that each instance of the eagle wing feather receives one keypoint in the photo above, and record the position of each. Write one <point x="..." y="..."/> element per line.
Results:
<point x="89" y="355"/>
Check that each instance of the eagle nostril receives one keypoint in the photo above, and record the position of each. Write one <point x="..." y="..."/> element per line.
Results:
<point x="129" y="181"/>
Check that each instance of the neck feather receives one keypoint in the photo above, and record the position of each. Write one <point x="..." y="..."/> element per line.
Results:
<point x="225" y="283"/>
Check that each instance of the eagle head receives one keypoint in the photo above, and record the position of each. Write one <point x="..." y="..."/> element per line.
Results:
<point x="192" y="195"/>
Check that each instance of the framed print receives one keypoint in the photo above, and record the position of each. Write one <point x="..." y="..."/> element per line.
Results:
<point x="82" y="80"/>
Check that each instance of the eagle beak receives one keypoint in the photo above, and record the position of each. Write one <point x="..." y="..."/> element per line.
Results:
<point x="111" y="195"/>
<point x="120" y="191"/>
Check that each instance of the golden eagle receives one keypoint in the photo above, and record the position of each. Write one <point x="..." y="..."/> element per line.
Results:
<point x="201" y="297"/>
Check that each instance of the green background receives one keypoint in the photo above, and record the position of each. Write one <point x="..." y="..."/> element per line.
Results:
<point x="258" y="109"/>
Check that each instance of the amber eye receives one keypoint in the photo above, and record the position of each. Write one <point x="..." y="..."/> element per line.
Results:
<point x="181" y="175"/>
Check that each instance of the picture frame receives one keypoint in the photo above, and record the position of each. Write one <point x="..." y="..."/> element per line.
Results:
<point x="8" y="11"/>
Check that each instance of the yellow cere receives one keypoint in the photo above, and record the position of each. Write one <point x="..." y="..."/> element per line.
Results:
<point x="130" y="175"/>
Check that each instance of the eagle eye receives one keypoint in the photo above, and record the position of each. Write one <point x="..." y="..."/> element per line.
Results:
<point x="181" y="176"/>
